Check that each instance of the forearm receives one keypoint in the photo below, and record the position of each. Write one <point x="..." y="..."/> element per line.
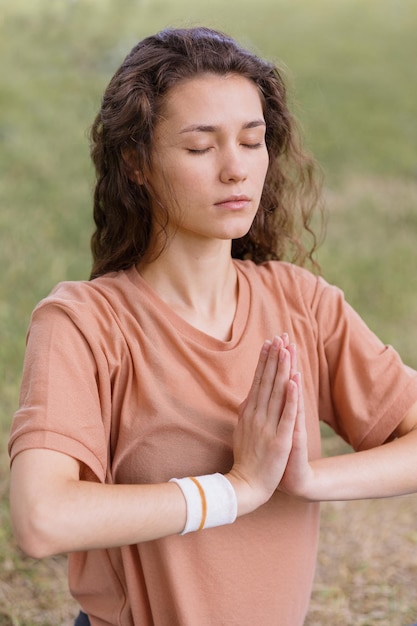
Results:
<point x="381" y="472"/>
<point x="86" y="516"/>
<point x="54" y="512"/>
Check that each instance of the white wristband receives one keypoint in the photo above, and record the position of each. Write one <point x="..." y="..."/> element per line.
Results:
<point x="211" y="501"/>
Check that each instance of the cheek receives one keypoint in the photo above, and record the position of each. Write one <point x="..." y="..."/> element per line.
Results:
<point x="166" y="183"/>
<point x="178" y="188"/>
<point x="266" y="161"/>
<point x="191" y="181"/>
<point x="262" y="169"/>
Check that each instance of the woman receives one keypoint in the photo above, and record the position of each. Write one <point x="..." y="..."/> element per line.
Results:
<point x="179" y="469"/>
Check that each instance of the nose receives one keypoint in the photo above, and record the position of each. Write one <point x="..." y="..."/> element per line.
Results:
<point x="233" y="166"/>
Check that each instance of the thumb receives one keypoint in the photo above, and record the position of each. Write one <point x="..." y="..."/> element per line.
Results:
<point x="242" y="407"/>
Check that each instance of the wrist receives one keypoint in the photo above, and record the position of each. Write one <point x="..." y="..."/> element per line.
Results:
<point x="305" y="486"/>
<point x="211" y="501"/>
<point x="248" y="499"/>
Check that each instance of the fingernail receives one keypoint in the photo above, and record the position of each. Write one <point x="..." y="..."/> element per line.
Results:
<point x="277" y="341"/>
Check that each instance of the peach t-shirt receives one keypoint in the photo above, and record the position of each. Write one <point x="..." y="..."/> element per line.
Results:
<point x="115" y="378"/>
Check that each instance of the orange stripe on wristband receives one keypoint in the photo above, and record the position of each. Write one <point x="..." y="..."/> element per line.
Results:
<point x="203" y="502"/>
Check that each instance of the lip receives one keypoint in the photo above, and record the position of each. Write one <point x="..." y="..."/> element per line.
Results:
<point x="234" y="202"/>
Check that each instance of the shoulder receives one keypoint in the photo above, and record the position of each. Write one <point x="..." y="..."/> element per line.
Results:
<point x="87" y="290"/>
<point x="272" y="271"/>
<point x="294" y="283"/>
<point x="82" y="301"/>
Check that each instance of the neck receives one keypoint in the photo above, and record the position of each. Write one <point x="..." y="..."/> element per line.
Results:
<point x="199" y="285"/>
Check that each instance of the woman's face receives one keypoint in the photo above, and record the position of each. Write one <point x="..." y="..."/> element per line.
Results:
<point x="209" y="159"/>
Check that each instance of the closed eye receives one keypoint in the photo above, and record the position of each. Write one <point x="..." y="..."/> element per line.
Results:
<point x="195" y="151"/>
<point x="253" y="146"/>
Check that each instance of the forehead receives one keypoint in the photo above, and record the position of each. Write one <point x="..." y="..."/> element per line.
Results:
<point x="211" y="98"/>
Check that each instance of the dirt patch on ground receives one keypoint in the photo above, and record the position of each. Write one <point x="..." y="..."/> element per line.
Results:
<point x="367" y="564"/>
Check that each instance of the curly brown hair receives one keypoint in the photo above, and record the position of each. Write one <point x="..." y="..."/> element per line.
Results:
<point x="125" y="125"/>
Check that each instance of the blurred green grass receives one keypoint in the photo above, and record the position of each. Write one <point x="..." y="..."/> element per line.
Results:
<point x="350" y="65"/>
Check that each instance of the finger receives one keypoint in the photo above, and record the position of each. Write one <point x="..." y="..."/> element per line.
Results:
<point x="285" y="339"/>
<point x="242" y="408"/>
<point x="266" y="387"/>
<point x="286" y="424"/>
<point x="279" y="390"/>
<point x="292" y="348"/>
<point x="300" y="418"/>
<point x="252" y="398"/>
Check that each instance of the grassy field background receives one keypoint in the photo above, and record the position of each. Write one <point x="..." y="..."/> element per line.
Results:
<point x="351" y="69"/>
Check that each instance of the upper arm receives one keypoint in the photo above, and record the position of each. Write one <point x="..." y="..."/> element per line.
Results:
<point x="37" y="470"/>
<point x="36" y="477"/>
<point x="65" y="398"/>
<point x="408" y="423"/>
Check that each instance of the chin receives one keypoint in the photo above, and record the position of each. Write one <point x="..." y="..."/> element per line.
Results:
<point x="239" y="233"/>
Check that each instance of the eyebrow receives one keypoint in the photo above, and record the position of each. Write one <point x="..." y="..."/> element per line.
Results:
<point x="209" y="128"/>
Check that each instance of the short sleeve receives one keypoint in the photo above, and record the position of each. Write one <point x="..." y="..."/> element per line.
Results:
<point x="62" y="392"/>
<point x="365" y="388"/>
